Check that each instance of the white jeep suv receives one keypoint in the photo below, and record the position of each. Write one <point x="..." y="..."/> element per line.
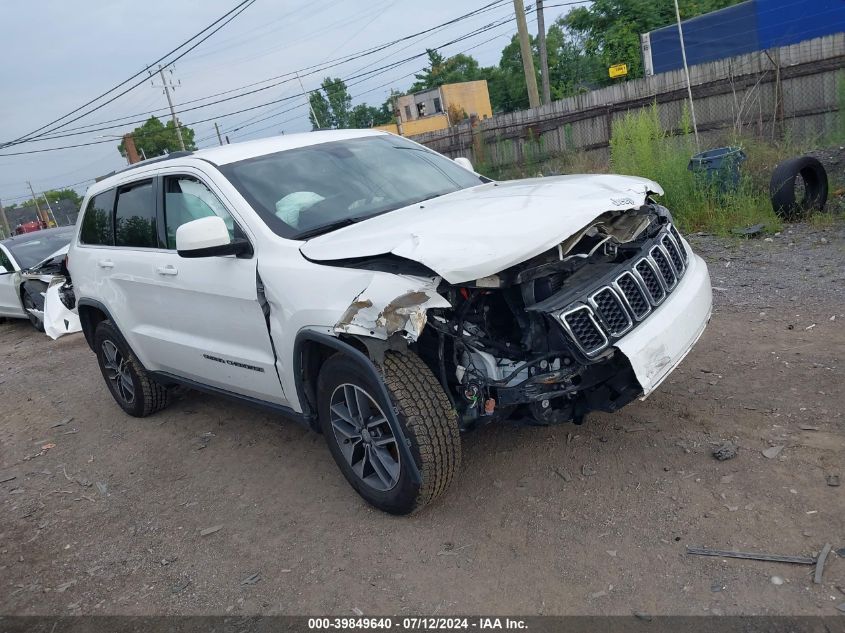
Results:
<point x="382" y="293"/>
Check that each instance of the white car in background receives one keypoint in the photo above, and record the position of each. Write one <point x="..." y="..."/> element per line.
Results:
<point x="30" y="264"/>
<point x="382" y="293"/>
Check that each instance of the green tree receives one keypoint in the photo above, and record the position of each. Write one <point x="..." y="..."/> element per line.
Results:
<point x="506" y="83"/>
<point x="321" y="109"/>
<point x="611" y="28"/>
<point x="332" y="104"/>
<point x="441" y="71"/>
<point x="155" y="139"/>
<point x="364" y="116"/>
<point x="54" y="195"/>
<point x="571" y="70"/>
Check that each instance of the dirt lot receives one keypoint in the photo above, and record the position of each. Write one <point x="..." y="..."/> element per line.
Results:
<point x="567" y="520"/>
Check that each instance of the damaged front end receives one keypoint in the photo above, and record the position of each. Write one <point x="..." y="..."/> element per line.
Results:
<point x="50" y="285"/>
<point x="537" y="340"/>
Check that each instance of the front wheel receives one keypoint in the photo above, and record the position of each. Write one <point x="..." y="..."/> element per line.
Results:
<point x="30" y="307"/>
<point x="354" y="420"/>
<point x="129" y="383"/>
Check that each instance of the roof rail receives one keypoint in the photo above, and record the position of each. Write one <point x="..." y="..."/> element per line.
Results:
<point x="143" y="163"/>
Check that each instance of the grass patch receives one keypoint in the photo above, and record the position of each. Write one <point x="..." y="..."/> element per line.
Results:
<point x="640" y="147"/>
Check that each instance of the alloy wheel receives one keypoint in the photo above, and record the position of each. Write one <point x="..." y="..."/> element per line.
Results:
<point x="117" y="371"/>
<point x="364" y="436"/>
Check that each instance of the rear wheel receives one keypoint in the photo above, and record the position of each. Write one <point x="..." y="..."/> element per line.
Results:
<point x="366" y="448"/>
<point x="129" y="383"/>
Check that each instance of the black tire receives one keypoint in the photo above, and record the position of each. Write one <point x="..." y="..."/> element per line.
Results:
<point x="148" y="396"/>
<point x="28" y="301"/>
<point x="425" y="415"/>
<point x="782" y="187"/>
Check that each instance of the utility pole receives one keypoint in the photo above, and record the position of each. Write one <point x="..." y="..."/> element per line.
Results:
<point x="37" y="206"/>
<point x="527" y="57"/>
<point x="217" y="129"/>
<point x="544" y="54"/>
<point x="55" y="221"/>
<point x="398" y="115"/>
<point x="131" y="150"/>
<point x="308" y="101"/>
<point x="686" y="71"/>
<point x="6" y="228"/>
<point x="167" y="88"/>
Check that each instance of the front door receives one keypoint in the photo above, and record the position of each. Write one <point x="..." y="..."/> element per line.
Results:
<point x="198" y="319"/>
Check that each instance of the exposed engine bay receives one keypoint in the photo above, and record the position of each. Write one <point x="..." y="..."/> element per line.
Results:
<point x="536" y="339"/>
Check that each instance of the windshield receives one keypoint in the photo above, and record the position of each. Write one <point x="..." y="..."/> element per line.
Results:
<point x="300" y="191"/>
<point x="34" y="247"/>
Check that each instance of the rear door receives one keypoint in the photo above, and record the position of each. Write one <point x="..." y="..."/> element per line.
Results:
<point x="10" y="301"/>
<point x="198" y="319"/>
<point x="92" y="256"/>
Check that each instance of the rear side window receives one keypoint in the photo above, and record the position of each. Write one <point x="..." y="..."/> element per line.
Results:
<point x="97" y="226"/>
<point x="135" y="216"/>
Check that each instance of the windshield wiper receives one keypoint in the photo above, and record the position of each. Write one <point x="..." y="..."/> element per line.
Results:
<point x="330" y="226"/>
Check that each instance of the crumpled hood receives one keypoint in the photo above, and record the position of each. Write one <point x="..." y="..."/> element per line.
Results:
<point x="480" y="231"/>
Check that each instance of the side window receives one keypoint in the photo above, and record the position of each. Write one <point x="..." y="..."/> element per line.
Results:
<point x="5" y="262"/>
<point x="135" y="216"/>
<point x="187" y="199"/>
<point x="97" y="221"/>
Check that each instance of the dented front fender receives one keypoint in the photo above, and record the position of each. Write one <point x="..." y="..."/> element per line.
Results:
<point x="391" y="304"/>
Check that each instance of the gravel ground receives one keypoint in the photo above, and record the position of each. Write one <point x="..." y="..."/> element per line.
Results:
<point x="212" y="507"/>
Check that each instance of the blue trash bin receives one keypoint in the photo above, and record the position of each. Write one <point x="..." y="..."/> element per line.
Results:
<point x="718" y="168"/>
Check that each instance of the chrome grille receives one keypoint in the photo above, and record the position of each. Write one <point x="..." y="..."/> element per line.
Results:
<point x="667" y="273"/>
<point x="630" y="290"/>
<point x="649" y="276"/>
<point x="674" y="252"/>
<point x="612" y="310"/>
<point x="583" y="328"/>
<point x="679" y="242"/>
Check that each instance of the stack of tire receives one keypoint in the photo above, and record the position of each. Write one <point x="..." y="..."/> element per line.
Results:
<point x="788" y="201"/>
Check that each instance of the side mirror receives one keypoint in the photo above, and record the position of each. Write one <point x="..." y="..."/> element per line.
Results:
<point x="209" y="237"/>
<point x="465" y="163"/>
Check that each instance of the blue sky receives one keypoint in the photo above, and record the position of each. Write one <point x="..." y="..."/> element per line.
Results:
<point x="61" y="53"/>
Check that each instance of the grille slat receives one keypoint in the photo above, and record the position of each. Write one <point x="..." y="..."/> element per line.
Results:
<point x="585" y="330"/>
<point x="634" y="295"/>
<point x="677" y="237"/>
<point x="651" y="281"/>
<point x="674" y="255"/>
<point x="663" y="265"/>
<point x="611" y="310"/>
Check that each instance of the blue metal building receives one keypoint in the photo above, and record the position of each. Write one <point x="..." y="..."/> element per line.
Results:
<point x="749" y="26"/>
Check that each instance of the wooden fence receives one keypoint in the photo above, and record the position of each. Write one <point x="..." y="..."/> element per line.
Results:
<point x="796" y="90"/>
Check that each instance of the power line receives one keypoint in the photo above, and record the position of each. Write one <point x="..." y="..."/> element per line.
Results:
<point x="384" y="85"/>
<point x="233" y="13"/>
<point x="286" y="78"/>
<point x="473" y="33"/>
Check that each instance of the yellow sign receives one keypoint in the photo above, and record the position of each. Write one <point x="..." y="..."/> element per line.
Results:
<point x="617" y="70"/>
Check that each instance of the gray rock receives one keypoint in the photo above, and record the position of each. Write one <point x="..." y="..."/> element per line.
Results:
<point x="725" y="451"/>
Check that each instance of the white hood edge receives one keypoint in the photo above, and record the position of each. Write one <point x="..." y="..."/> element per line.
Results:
<point x="481" y="231"/>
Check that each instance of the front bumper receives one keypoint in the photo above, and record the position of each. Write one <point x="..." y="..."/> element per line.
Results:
<point x="658" y="345"/>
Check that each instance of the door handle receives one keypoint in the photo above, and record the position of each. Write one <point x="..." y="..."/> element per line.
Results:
<point x="167" y="270"/>
<point x="105" y="263"/>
